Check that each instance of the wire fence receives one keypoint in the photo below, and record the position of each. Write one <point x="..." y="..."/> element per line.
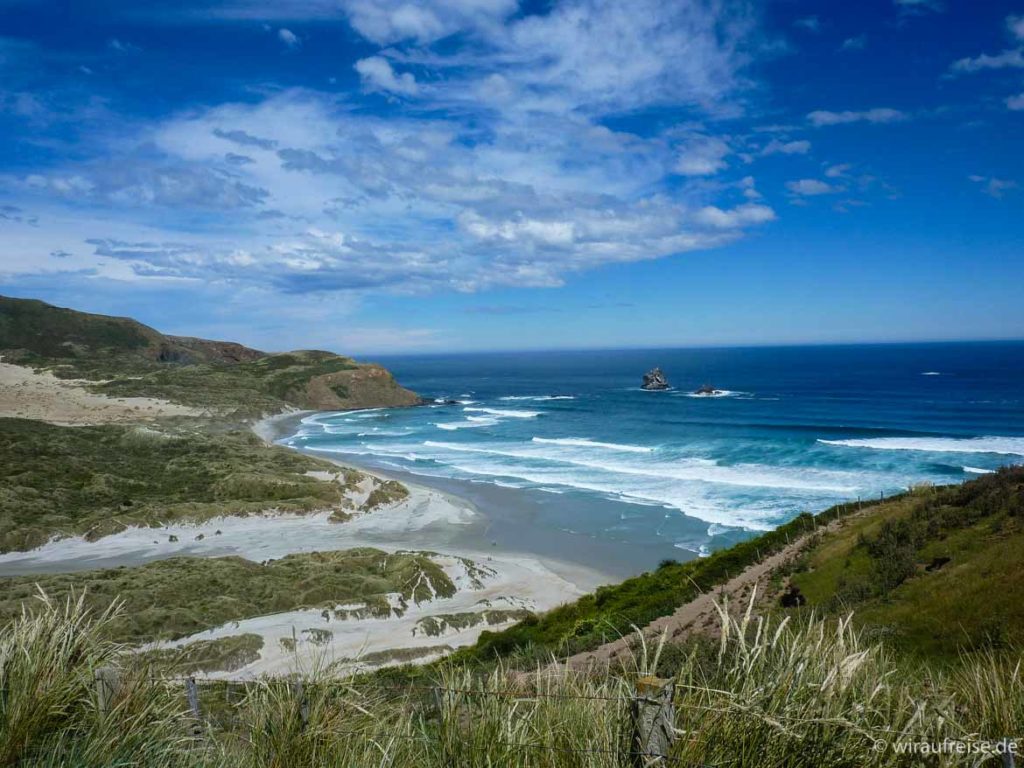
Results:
<point x="647" y="716"/>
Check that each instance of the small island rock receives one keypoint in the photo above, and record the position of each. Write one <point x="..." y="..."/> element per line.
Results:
<point x="654" y="379"/>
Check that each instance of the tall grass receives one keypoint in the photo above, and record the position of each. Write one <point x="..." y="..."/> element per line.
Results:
<point x="771" y="694"/>
<point x="50" y="714"/>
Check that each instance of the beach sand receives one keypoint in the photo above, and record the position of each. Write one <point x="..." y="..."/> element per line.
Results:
<point x="29" y="394"/>
<point x="427" y="520"/>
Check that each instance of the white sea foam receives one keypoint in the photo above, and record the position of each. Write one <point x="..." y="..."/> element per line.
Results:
<point x="538" y="398"/>
<point x="586" y="442"/>
<point x="695" y="470"/>
<point x="716" y="393"/>
<point x="504" y="413"/>
<point x="979" y="471"/>
<point x="1010" y="446"/>
<point x="470" y="423"/>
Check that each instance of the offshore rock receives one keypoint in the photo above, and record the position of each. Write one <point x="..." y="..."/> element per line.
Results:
<point x="654" y="379"/>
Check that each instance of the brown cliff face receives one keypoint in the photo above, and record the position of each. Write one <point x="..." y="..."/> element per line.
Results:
<point x="366" y="386"/>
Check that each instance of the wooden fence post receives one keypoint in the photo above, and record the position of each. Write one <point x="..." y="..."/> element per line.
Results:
<point x="653" y="721"/>
<point x="300" y="696"/>
<point x="192" y="694"/>
<point x="108" y="683"/>
<point x="1007" y="754"/>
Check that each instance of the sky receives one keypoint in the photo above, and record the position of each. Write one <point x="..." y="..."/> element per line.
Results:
<point x="389" y="176"/>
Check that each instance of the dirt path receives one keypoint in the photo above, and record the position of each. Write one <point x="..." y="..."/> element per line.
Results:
<point x="700" y="614"/>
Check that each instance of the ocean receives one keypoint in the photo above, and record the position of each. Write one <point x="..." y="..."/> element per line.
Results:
<point x="569" y="457"/>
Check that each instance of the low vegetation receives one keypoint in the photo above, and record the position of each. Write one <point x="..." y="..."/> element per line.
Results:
<point x="225" y="654"/>
<point x="180" y="596"/>
<point x="122" y="357"/>
<point x="795" y="694"/>
<point x="94" y="481"/>
<point x="613" y="611"/>
<point x="936" y="573"/>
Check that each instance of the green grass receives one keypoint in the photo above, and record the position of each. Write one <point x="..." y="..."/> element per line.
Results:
<point x="878" y="565"/>
<point x="127" y="359"/>
<point x="786" y="695"/>
<point x="168" y="599"/>
<point x="225" y="654"/>
<point x="613" y="611"/>
<point x="98" y="480"/>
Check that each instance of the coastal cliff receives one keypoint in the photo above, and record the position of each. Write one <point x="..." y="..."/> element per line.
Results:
<point x="120" y="357"/>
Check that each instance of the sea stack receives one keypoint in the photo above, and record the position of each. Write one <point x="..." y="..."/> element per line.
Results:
<point x="654" y="379"/>
<point x="707" y="390"/>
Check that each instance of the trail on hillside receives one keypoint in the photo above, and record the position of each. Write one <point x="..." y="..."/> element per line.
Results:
<point x="700" y="614"/>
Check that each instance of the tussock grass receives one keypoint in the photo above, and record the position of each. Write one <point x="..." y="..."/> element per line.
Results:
<point x="774" y="693"/>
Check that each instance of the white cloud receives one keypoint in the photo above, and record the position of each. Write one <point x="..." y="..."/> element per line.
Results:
<point x="992" y="186"/>
<point x="702" y="156"/>
<point x="1013" y="58"/>
<point x="916" y="6"/>
<point x="505" y="174"/>
<point x="776" y="147"/>
<point x="821" y="117"/>
<point x="734" y="218"/>
<point x="810" y="187"/>
<point x="393" y="21"/>
<point x="1016" y="26"/>
<point x="837" y="171"/>
<point x="378" y="75"/>
<point x="854" y="43"/>
<point x="1015" y="103"/>
<point x="810" y="23"/>
<point x="289" y="38"/>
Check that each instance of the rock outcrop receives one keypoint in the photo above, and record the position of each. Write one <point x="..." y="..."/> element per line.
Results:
<point x="707" y="389"/>
<point x="655" y="380"/>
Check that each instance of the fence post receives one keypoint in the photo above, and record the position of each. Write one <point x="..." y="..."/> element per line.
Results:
<point x="192" y="694"/>
<point x="108" y="682"/>
<point x="300" y="696"/>
<point x="1007" y="754"/>
<point x="653" y="721"/>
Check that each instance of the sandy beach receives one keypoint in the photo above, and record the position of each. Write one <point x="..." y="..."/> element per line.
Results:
<point x="427" y="520"/>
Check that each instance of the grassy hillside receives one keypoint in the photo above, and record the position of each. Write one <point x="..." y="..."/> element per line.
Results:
<point x="127" y="358"/>
<point x="98" y="480"/>
<point x="936" y="572"/>
<point x="793" y="696"/>
<point x="614" y="611"/>
<point x="885" y="564"/>
<point x="172" y="598"/>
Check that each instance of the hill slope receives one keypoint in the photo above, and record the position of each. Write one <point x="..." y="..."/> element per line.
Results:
<point x="125" y="358"/>
<point x="933" y="572"/>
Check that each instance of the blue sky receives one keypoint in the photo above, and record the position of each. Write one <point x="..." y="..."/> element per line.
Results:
<point x="379" y="176"/>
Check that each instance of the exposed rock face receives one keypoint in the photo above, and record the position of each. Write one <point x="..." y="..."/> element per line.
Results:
<point x="707" y="389"/>
<point x="654" y="379"/>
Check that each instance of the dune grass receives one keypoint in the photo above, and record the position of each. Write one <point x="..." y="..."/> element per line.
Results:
<point x="97" y="480"/>
<point x="937" y="572"/>
<point x="774" y="693"/>
<point x="172" y="598"/>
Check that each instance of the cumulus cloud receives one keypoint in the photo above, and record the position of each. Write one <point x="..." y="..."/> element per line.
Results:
<point x="857" y="43"/>
<point x="822" y="117"/>
<point x="289" y="38"/>
<point x="810" y="187"/>
<point x="393" y="21"/>
<point x="1013" y="58"/>
<point x="992" y="186"/>
<point x="1015" y="24"/>
<point x="776" y="147"/>
<point x="1015" y="103"/>
<point x="837" y="171"/>
<point x="701" y="156"/>
<point x="505" y="174"/>
<point x="377" y="75"/>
